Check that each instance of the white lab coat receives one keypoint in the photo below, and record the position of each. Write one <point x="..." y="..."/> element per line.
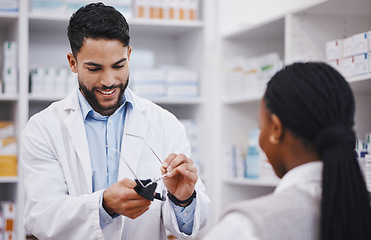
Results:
<point x="58" y="175"/>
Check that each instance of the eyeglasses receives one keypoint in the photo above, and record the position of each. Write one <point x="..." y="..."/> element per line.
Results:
<point x="145" y="187"/>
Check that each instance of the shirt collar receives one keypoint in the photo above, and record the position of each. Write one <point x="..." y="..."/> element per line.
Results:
<point x="86" y="108"/>
<point x="305" y="173"/>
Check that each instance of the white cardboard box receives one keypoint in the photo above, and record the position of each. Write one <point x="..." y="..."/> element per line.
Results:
<point x="360" y="43"/>
<point x="347" y="47"/>
<point x="348" y="67"/>
<point x="334" y="49"/>
<point x="361" y="64"/>
<point x="336" y="64"/>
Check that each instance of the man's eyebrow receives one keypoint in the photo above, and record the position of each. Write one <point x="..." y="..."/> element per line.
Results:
<point x="92" y="64"/>
<point x="99" y="65"/>
<point x="119" y="61"/>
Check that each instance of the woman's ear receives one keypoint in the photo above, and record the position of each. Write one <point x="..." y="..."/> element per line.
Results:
<point x="277" y="128"/>
<point x="72" y="62"/>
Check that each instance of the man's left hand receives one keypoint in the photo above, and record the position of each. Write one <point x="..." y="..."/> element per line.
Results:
<point x="181" y="175"/>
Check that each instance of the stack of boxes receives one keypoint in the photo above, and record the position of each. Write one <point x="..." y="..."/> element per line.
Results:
<point x="350" y="56"/>
<point x="165" y="82"/>
<point x="52" y="81"/>
<point x="8" y="149"/>
<point x="248" y="76"/>
<point x="9" y="75"/>
<point x="167" y="9"/>
<point x="149" y="83"/>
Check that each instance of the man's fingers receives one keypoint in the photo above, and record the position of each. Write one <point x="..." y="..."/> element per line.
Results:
<point x="173" y="161"/>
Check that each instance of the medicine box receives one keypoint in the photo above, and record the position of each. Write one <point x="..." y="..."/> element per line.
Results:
<point x="336" y="64"/>
<point x="191" y="9"/>
<point x="361" y="64"/>
<point x="142" y="8"/>
<point x="149" y="82"/>
<point x="347" y="47"/>
<point x="360" y="43"/>
<point x="334" y="49"/>
<point x="182" y="90"/>
<point x="7" y="129"/>
<point x="348" y="67"/>
<point x="10" y="80"/>
<point x="8" y="165"/>
<point x="10" y="54"/>
<point x="8" y="210"/>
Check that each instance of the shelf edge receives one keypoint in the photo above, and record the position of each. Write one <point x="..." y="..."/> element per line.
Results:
<point x="251" y="182"/>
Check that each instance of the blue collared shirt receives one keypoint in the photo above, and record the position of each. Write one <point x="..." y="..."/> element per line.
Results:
<point x="103" y="131"/>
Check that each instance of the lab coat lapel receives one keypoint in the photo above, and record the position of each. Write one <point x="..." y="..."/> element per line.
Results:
<point x="136" y="124"/>
<point x="76" y="129"/>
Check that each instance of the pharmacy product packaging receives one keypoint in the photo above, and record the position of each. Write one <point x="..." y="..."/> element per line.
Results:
<point x="8" y="209"/>
<point x="142" y="8"/>
<point x="149" y="82"/>
<point x="253" y="155"/>
<point x="348" y="67"/>
<point x="361" y="64"/>
<point x="334" y="49"/>
<point x="347" y="47"/>
<point x="360" y="43"/>
<point x="336" y="64"/>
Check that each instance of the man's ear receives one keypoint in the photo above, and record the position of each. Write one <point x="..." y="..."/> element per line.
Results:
<point x="278" y="131"/>
<point x="72" y="62"/>
<point x="129" y="52"/>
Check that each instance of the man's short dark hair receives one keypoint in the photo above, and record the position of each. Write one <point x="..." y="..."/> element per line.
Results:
<point x="97" y="21"/>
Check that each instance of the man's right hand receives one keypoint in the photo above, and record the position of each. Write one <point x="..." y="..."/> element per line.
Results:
<point x="121" y="198"/>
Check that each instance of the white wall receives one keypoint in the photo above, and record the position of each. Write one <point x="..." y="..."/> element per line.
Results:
<point x="236" y="14"/>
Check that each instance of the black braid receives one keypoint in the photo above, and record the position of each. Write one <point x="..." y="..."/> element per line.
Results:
<point x="317" y="105"/>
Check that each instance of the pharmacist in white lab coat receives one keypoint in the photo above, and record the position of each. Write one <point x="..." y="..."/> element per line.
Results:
<point x="76" y="187"/>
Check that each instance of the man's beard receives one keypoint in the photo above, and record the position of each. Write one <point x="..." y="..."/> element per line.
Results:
<point x="93" y="101"/>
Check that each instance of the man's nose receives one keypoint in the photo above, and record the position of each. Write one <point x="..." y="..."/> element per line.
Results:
<point x="107" y="79"/>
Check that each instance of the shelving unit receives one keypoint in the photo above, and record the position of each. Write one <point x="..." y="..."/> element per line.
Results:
<point x="252" y="182"/>
<point x="296" y="35"/>
<point x="42" y="40"/>
<point x="221" y="120"/>
<point x="9" y="103"/>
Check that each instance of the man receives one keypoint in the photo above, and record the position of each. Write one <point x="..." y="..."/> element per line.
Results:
<point x="77" y="186"/>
